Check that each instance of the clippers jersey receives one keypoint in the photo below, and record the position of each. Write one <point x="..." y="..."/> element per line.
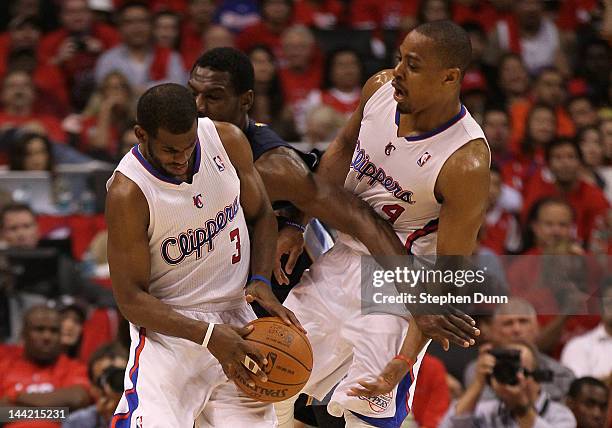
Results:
<point x="397" y="175"/>
<point x="198" y="237"/>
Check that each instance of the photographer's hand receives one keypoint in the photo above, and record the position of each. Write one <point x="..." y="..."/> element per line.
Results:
<point x="519" y="399"/>
<point x="484" y="367"/>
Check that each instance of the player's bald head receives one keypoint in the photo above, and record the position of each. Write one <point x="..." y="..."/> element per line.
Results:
<point x="452" y="44"/>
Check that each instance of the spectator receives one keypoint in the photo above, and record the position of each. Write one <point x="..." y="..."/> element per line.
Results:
<point x="302" y="72"/>
<point x="529" y="33"/>
<point x="433" y="10"/>
<point x="105" y="370"/>
<point x="529" y="157"/>
<point x="167" y="29"/>
<point x="268" y="102"/>
<point x="500" y="231"/>
<point x="589" y="354"/>
<point x="71" y="329"/>
<point x="482" y="13"/>
<point x="276" y="17"/>
<point x="42" y="375"/>
<point x="549" y="90"/>
<point x="217" y="36"/>
<point x="562" y="178"/>
<point x="323" y="124"/>
<point x="236" y="15"/>
<point x="588" y="401"/>
<point x="320" y="14"/>
<point x="593" y="69"/>
<point x="383" y="14"/>
<point x="594" y="169"/>
<point x="142" y="63"/>
<point x="517" y="321"/>
<point x="474" y="93"/>
<point x="18" y="101"/>
<point x="524" y="404"/>
<point x="496" y="126"/>
<point x="513" y="80"/>
<point x="20" y="52"/>
<point x="342" y="80"/>
<point x="109" y="111"/>
<point x="76" y="47"/>
<point x="199" y="17"/>
<point x="127" y="141"/>
<point x="582" y="111"/>
<point x="31" y="152"/>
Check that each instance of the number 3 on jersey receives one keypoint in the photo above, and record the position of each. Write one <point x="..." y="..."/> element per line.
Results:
<point x="235" y="236"/>
<point x="393" y="211"/>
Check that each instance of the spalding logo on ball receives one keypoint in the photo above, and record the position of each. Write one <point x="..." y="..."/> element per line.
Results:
<point x="289" y="358"/>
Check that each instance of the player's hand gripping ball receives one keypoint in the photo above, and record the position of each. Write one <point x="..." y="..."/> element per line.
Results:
<point x="289" y="358"/>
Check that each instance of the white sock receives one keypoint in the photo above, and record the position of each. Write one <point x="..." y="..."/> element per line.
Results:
<point x="284" y="412"/>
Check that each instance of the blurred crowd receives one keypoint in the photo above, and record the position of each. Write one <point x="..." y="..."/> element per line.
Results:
<point x="539" y="85"/>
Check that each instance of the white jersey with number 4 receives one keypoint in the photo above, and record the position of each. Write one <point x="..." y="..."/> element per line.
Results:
<point x="198" y="238"/>
<point x="397" y="175"/>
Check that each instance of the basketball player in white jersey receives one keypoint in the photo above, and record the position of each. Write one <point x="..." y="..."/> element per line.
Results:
<point x="421" y="161"/>
<point x="179" y="254"/>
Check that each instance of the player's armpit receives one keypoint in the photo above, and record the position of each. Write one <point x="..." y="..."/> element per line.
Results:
<point x="253" y="198"/>
<point x="336" y="160"/>
<point x="127" y="217"/>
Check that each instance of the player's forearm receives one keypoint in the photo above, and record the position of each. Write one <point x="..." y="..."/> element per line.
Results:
<point x="264" y="236"/>
<point x="145" y="310"/>
<point x="335" y="162"/>
<point x="413" y="343"/>
<point x="73" y="397"/>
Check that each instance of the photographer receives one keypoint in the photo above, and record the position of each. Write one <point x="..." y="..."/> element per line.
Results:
<point x="513" y="374"/>
<point x="105" y="370"/>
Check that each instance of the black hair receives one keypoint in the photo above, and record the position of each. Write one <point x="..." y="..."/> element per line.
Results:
<point x="167" y="106"/>
<point x="110" y="350"/>
<point x="558" y="142"/>
<point x="18" y="151"/>
<point x="232" y="61"/>
<point x="130" y="4"/>
<point x="452" y="43"/>
<point x="329" y="63"/>
<point x="534" y="213"/>
<point x="577" y="384"/>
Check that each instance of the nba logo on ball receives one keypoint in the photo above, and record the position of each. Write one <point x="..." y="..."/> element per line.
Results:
<point x="197" y="201"/>
<point x="219" y="163"/>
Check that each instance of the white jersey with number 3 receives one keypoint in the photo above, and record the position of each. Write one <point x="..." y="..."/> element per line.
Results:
<point x="397" y="175"/>
<point x="198" y="238"/>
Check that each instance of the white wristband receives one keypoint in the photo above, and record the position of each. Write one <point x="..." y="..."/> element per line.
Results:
<point x="209" y="330"/>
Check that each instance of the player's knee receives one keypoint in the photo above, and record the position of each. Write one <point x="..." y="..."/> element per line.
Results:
<point x="284" y="412"/>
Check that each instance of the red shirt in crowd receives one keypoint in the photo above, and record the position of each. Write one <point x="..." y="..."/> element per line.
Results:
<point x="325" y="15"/>
<point x="573" y="13"/>
<point x="575" y="325"/>
<point x="431" y="397"/>
<point x="482" y="12"/>
<point x="18" y="375"/>
<point x="50" y="123"/>
<point x="499" y="228"/>
<point x="516" y="171"/>
<point x="297" y="86"/>
<point x="260" y="34"/>
<point x="587" y="200"/>
<point x="371" y="14"/>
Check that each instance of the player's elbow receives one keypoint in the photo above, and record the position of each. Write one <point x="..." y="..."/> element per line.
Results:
<point x="129" y="303"/>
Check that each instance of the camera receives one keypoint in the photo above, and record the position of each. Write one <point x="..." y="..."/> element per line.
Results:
<point x="113" y="377"/>
<point x="508" y="365"/>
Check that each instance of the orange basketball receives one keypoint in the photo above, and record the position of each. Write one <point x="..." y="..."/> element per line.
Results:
<point x="289" y="358"/>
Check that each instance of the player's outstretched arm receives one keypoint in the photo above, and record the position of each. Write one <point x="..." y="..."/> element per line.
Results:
<point x="337" y="158"/>
<point x="127" y="216"/>
<point x="258" y="212"/>
<point x="288" y="178"/>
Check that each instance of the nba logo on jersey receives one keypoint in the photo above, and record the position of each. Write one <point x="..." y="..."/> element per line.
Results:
<point x="219" y="163"/>
<point x="139" y="422"/>
<point x="423" y="159"/>
<point x="197" y="201"/>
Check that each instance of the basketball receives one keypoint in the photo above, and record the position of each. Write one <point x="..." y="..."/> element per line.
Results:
<point x="289" y="358"/>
